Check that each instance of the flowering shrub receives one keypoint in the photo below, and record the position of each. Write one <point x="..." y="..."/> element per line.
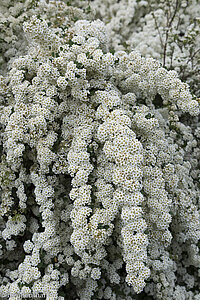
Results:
<point x="165" y="30"/>
<point x="99" y="162"/>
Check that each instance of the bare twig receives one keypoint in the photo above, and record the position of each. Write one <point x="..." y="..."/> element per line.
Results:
<point x="157" y="27"/>
<point x="169" y="24"/>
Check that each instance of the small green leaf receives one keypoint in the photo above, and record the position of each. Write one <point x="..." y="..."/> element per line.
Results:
<point x="102" y="226"/>
<point x="149" y="116"/>
<point x="70" y="42"/>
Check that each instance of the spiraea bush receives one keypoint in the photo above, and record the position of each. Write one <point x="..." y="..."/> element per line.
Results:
<point x="99" y="157"/>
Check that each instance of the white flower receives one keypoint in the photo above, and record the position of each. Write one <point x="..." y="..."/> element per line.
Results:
<point x="28" y="246"/>
<point x="96" y="273"/>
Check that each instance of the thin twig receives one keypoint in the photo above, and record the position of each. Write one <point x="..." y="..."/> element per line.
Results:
<point x="169" y="24"/>
<point x="159" y="33"/>
<point x="190" y="58"/>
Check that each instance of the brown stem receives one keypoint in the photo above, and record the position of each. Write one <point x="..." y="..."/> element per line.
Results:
<point x="193" y="55"/>
<point x="169" y="24"/>
<point x="157" y="27"/>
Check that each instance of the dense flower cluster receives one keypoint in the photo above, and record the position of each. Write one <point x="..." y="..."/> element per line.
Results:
<point x="99" y="157"/>
<point x="165" y="30"/>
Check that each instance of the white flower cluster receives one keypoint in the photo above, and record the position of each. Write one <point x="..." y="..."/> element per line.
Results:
<point x="146" y="78"/>
<point x="99" y="154"/>
<point x="122" y="147"/>
<point x="80" y="168"/>
<point x="167" y="31"/>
